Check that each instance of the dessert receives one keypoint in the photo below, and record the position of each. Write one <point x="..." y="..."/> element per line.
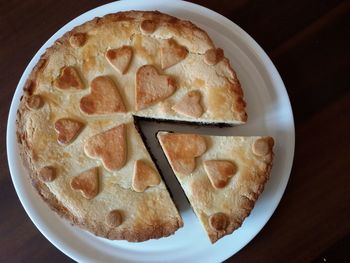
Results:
<point x="222" y="176"/>
<point x="75" y="122"/>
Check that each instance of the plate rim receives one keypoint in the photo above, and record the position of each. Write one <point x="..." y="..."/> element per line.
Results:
<point x="259" y="53"/>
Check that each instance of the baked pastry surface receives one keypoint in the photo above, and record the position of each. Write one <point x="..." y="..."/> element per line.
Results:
<point x="75" y="124"/>
<point x="222" y="176"/>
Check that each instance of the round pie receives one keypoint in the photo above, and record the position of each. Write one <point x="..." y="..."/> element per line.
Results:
<point x="75" y="122"/>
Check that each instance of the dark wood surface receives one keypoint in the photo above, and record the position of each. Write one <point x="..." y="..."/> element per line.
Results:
<point x="309" y="43"/>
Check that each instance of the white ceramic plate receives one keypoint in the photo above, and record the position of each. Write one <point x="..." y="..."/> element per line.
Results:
<point x="269" y="113"/>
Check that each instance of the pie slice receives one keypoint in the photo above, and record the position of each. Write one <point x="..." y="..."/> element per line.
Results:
<point x="225" y="177"/>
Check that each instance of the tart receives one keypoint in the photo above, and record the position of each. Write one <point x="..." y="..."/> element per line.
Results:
<point x="75" y="122"/>
<point x="222" y="176"/>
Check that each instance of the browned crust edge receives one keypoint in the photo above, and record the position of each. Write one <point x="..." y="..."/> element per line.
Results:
<point x="98" y="228"/>
<point x="238" y="106"/>
<point x="115" y="17"/>
<point x="29" y="89"/>
<point x="235" y="86"/>
<point x="248" y="205"/>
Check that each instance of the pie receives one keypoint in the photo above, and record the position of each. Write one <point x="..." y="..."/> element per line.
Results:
<point x="76" y="124"/>
<point x="222" y="176"/>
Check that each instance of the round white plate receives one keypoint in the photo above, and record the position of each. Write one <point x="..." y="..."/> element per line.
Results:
<point x="269" y="113"/>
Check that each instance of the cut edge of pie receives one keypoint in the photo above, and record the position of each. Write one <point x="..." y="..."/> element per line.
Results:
<point x="227" y="178"/>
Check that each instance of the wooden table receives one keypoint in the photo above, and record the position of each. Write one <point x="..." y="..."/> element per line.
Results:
<point x="309" y="42"/>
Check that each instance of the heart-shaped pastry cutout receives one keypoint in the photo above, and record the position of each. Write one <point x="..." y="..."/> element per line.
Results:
<point x="219" y="172"/>
<point x="103" y="99"/>
<point x="109" y="146"/>
<point x="189" y="105"/>
<point x="69" y="79"/>
<point x="182" y="149"/>
<point x="171" y="53"/>
<point x="151" y="87"/>
<point x="120" y="58"/>
<point x="87" y="183"/>
<point x="67" y="130"/>
<point x="144" y="176"/>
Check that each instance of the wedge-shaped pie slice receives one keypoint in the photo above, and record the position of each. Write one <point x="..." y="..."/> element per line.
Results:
<point x="227" y="179"/>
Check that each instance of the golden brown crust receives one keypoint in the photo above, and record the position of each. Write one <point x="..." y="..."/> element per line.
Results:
<point x="263" y="146"/>
<point x="219" y="172"/>
<point x="213" y="56"/>
<point x="41" y="188"/>
<point x="67" y="130"/>
<point x="185" y="27"/>
<point x="120" y="58"/>
<point x="103" y="99"/>
<point x="238" y="106"/>
<point x="69" y="79"/>
<point x="152" y="87"/>
<point x="223" y="193"/>
<point x="140" y="234"/>
<point x="47" y="174"/>
<point x="109" y="146"/>
<point x="218" y="221"/>
<point x="248" y="199"/>
<point x="35" y="102"/>
<point x="148" y="26"/>
<point x="171" y="53"/>
<point x="87" y="183"/>
<point x="202" y="43"/>
<point x="144" y="176"/>
<point x="114" y="218"/>
<point x="182" y="149"/>
<point x="189" y="105"/>
<point x="77" y="38"/>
